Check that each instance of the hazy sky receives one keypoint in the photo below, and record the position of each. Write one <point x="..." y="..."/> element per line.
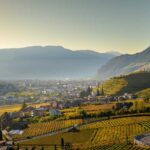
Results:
<point x="102" y="25"/>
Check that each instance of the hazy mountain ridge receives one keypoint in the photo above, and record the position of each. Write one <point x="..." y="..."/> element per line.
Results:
<point x="125" y="64"/>
<point x="49" y="62"/>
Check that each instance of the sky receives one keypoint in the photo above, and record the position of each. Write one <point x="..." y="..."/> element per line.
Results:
<point x="100" y="25"/>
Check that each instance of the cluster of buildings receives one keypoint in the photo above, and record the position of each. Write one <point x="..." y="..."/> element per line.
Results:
<point x="108" y="99"/>
<point x="49" y="91"/>
<point x="40" y="111"/>
<point x="142" y="140"/>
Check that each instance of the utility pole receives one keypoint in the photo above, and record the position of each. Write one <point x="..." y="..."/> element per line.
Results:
<point x="62" y="143"/>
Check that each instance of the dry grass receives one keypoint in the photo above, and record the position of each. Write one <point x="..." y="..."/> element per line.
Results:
<point x="9" y="108"/>
<point x="97" y="107"/>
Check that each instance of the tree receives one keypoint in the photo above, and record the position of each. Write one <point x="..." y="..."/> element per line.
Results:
<point x="83" y="114"/>
<point x="102" y="91"/>
<point x="88" y="91"/>
<point x="10" y="148"/>
<point x="1" y="134"/>
<point x="62" y="143"/>
<point x="42" y="148"/>
<point x="18" y="146"/>
<point x="55" y="147"/>
<point x="82" y="94"/>
<point x="98" y="93"/>
<point x="24" y="105"/>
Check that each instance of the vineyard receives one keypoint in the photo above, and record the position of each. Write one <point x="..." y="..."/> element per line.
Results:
<point x="118" y="134"/>
<point x="146" y="125"/>
<point x="116" y="147"/>
<point x="9" y="108"/>
<point x="47" y="127"/>
<point x="89" y="109"/>
<point x="116" y="122"/>
<point x="97" y="107"/>
<point x="113" y="134"/>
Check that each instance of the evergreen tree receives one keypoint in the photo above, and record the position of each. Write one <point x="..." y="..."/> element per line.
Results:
<point x="55" y="147"/>
<point x="89" y="90"/>
<point x="24" y="105"/>
<point x="1" y="134"/>
<point x="62" y="143"/>
<point x="18" y="146"/>
<point x="42" y="148"/>
<point x="98" y="93"/>
<point x="102" y="91"/>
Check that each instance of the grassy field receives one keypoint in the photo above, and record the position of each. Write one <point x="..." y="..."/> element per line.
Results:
<point x="144" y="93"/>
<point x="37" y="105"/>
<point x="69" y="137"/>
<point x="9" y="108"/>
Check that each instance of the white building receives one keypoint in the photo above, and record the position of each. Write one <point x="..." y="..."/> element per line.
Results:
<point x="55" y="112"/>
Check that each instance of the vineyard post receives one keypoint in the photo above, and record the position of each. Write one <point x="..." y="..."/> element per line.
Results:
<point x="62" y="143"/>
<point x="18" y="147"/>
<point x="127" y="140"/>
<point x="55" y="148"/>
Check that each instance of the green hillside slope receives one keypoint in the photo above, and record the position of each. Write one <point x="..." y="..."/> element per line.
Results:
<point x="144" y="93"/>
<point x="125" y="64"/>
<point x="131" y="83"/>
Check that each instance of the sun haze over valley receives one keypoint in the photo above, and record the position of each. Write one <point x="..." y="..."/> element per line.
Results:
<point x="74" y="75"/>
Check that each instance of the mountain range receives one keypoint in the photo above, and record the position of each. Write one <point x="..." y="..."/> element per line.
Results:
<point x="50" y="62"/>
<point x="125" y="64"/>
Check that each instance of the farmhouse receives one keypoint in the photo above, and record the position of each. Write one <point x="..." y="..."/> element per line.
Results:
<point x="19" y="125"/>
<point x="38" y="112"/>
<point x="26" y="112"/>
<point x="55" y="112"/>
<point x="142" y="140"/>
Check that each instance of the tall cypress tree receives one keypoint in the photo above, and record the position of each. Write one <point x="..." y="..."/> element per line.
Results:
<point x="62" y="143"/>
<point x="1" y="134"/>
<point x="98" y="93"/>
<point x="102" y="91"/>
<point x="24" y="105"/>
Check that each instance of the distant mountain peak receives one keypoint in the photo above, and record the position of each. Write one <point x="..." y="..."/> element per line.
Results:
<point x="114" y="53"/>
<point x="49" y="62"/>
<point x="125" y="64"/>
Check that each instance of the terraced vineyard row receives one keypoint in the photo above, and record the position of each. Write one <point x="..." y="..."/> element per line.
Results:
<point x="116" y="122"/>
<point x="116" y="134"/>
<point x="43" y="128"/>
<point x="113" y="134"/>
<point x="116" y="147"/>
<point x="145" y="124"/>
